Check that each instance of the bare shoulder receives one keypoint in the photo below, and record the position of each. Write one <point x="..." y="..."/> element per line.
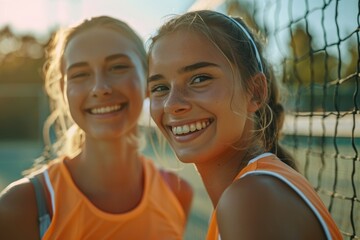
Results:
<point x="18" y="211"/>
<point x="180" y="187"/>
<point x="264" y="207"/>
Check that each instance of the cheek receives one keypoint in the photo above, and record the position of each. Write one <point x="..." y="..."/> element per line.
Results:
<point x="72" y="103"/>
<point x="156" y="110"/>
<point x="72" y="94"/>
<point x="137" y="92"/>
<point x="233" y="116"/>
<point x="69" y="95"/>
<point x="133" y="84"/>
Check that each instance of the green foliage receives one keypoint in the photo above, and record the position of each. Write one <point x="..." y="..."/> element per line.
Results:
<point x="320" y="80"/>
<point x="22" y="100"/>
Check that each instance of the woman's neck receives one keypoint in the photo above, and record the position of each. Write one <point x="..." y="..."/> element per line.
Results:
<point x="106" y="165"/>
<point x="219" y="173"/>
<point x="109" y="152"/>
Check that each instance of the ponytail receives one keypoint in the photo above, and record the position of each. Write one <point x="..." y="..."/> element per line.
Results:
<point x="272" y="134"/>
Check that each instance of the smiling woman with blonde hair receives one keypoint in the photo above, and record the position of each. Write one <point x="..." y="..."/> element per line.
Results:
<point x="99" y="186"/>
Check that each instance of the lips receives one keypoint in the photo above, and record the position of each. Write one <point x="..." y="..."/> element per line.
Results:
<point x="106" y="109"/>
<point x="184" y="129"/>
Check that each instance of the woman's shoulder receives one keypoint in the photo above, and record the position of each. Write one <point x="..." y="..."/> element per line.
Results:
<point x="266" y="203"/>
<point x="176" y="183"/>
<point x="180" y="187"/>
<point x="18" y="211"/>
<point x="255" y="189"/>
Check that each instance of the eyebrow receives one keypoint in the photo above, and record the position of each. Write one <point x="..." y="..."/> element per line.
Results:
<point x="75" y="65"/>
<point x="185" y="69"/>
<point x="108" y="58"/>
<point x="116" y="56"/>
<point x="196" y="66"/>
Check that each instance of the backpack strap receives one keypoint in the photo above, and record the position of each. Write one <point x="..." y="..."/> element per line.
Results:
<point x="43" y="213"/>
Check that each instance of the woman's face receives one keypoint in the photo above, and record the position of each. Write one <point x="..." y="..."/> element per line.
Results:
<point x="103" y="83"/>
<point x="193" y="98"/>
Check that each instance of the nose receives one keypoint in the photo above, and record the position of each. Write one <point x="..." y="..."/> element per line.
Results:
<point x="176" y="102"/>
<point x="101" y="87"/>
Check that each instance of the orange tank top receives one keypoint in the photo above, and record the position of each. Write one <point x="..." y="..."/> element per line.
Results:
<point x="269" y="164"/>
<point x="159" y="215"/>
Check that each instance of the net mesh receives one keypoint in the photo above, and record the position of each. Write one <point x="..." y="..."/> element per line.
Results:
<point x="314" y="46"/>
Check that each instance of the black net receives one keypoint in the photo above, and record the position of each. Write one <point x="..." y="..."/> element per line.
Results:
<point x="314" y="46"/>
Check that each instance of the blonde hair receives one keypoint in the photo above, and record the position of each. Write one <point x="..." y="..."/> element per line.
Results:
<point x="243" y="50"/>
<point x="69" y="137"/>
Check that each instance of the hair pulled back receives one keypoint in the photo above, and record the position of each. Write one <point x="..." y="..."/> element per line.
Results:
<point x="243" y="50"/>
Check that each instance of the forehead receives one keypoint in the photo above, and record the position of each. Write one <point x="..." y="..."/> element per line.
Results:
<point x="185" y="47"/>
<point x="97" y="43"/>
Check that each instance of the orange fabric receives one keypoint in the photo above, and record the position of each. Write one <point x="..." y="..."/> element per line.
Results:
<point x="158" y="216"/>
<point x="273" y="164"/>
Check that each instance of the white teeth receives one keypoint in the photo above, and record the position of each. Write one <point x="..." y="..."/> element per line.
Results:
<point x="185" y="129"/>
<point x="192" y="127"/>
<point x="103" y="110"/>
<point x="198" y="125"/>
<point x="189" y="128"/>
<point x="179" y="130"/>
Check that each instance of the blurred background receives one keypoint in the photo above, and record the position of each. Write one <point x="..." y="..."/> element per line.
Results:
<point x="312" y="44"/>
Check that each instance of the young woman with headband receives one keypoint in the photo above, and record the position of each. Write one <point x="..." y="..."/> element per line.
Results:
<point x="215" y="100"/>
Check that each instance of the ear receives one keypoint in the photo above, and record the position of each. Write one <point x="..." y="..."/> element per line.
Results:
<point x="258" y="92"/>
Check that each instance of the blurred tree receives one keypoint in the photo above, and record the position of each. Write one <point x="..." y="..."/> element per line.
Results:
<point x="306" y="66"/>
<point x="316" y="76"/>
<point x="351" y="79"/>
<point x="312" y="74"/>
<point x="242" y="9"/>
<point x="22" y="102"/>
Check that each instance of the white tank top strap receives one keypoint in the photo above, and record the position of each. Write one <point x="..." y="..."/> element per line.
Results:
<point x="266" y="154"/>
<point x="50" y="189"/>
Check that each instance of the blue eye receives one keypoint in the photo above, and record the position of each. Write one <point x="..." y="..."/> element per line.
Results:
<point x="159" y="88"/>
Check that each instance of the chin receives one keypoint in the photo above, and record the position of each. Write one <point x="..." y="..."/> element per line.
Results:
<point x="187" y="158"/>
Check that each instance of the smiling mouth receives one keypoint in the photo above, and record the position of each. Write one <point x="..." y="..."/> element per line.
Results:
<point x="107" y="109"/>
<point x="190" y="128"/>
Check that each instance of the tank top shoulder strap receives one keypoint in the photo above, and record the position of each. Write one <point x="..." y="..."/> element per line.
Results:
<point x="43" y="213"/>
